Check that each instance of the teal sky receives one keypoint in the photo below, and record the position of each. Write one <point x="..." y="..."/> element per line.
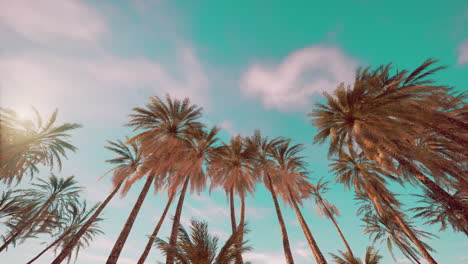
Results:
<point x="250" y="64"/>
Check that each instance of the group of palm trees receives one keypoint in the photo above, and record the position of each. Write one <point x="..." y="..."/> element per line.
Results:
<point x="387" y="126"/>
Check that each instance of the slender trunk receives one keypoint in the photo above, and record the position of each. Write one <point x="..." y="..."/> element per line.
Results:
<point x="27" y="223"/>
<point x="175" y="226"/>
<point x="239" y="259"/>
<point x="319" y="258"/>
<point x="49" y="247"/>
<point x="332" y="218"/>
<point x="233" y="211"/>
<point x="119" y="244"/>
<point x="151" y="239"/>
<point x="410" y="233"/>
<point x="69" y="247"/>
<point x="440" y="193"/>
<point x="284" y="233"/>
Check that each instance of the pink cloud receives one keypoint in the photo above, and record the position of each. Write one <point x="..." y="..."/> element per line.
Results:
<point x="463" y="56"/>
<point x="47" y="20"/>
<point x="290" y="84"/>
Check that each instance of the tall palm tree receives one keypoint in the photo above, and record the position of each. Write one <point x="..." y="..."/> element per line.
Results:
<point x="24" y="144"/>
<point x="200" y="247"/>
<point x="369" y="180"/>
<point x="168" y="128"/>
<point x="388" y="231"/>
<point x="385" y="115"/>
<point x="199" y="151"/>
<point x="266" y="167"/>
<point x="328" y="209"/>
<point x="76" y="216"/>
<point x="372" y="257"/>
<point x="436" y="212"/>
<point x="232" y="169"/>
<point x="291" y="183"/>
<point x="126" y="163"/>
<point x="47" y="201"/>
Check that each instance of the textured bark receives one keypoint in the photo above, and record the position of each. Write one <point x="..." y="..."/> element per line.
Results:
<point x="175" y="225"/>
<point x="233" y="211"/>
<point x="239" y="259"/>
<point x="332" y="218"/>
<point x="69" y="247"/>
<point x="440" y="193"/>
<point x="284" y="233"/>
<point x="151" y="239"/>
<point x="319" y="258"/>
<point x="119" y="244"/>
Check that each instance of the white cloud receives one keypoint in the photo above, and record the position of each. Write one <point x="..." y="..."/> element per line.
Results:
<point x="229" y="127"/>
<point x="105" y="85"/>
<point x="258" y="213"/>
<point x="463" y="56"/>
<point x="290" y="84"/>
<point x="264" y="257"/>
<point x="46" y="20"/>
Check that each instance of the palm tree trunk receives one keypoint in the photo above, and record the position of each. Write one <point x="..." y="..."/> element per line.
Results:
<point x="440" y="193"/>
<point x="332" y="218"/>
<point x="151" y="239"/>
<point x="239" y="259"/>
<point x="233" y="211"/>
<point x="284" y="233"/>
<point x="69" y="247"/>
<point x="49" y="247"/>
<point x="319" y="258"/>
<point x="119" y="244"/>
<point x="410" y="233"/>
<point x="175" y="225"/>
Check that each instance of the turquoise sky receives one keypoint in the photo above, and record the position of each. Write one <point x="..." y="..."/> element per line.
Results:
<point x="250" y="64"/>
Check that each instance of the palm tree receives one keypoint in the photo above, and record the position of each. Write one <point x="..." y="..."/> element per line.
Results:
<point x="76" y="216"/>
<point x="47" y="203"/>
<point x="199" y="151"/>
<point x="372" y="257"/>
<point x="26" y="143"/>
<point x="388" y="231"/>
<point x="369" y="180"/>
<point x="385" y="115"/>
<point x="127" y="163"/>
<point x="436" y="212"/>
<point x="328" y="209"/>
<point x="201" y="248"/>
<point x="169" y="128"/>
<point x="232" y="169"/>
<point x="291" y="182"/>
<point x="266" y="168"/>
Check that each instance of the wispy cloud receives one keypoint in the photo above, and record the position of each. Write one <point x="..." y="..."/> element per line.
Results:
<point x="290" y="85"/>
<point x="48" y="20"/>
<point x="74" y="77"/>
<point x="463" y="55"/>
<point x="265" y="257"/>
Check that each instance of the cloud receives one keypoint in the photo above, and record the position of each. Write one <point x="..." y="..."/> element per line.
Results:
<point x="105" y="85"/>
<point x="258" y="213"/>
<point x="463" y="56"/>
<point x="229" y="127"/>
<point x="46" y="20"/>
<point x="264" y="257"/>
<point x="290" y="85"/>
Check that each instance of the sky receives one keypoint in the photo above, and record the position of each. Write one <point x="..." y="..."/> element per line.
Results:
<point x="256" y="64"/>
